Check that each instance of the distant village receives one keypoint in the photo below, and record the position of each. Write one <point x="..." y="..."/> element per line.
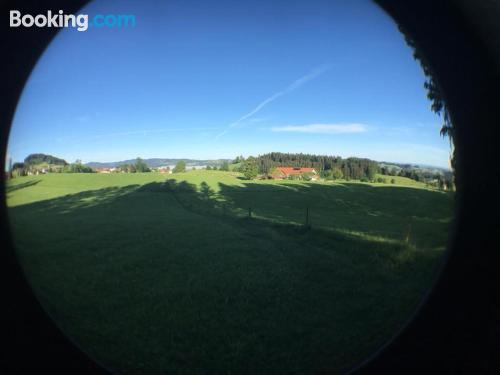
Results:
<point x="164" y="169"/>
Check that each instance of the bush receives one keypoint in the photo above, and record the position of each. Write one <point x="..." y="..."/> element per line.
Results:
<point x="141" y="166"/>
<point x="78" y="168"/>
<point x="307" y="176"/>
<point x="249" y="168"/>
<point x="336" y="174"/>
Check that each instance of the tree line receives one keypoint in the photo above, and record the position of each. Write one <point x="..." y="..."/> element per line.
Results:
<point x="327" y="166"/>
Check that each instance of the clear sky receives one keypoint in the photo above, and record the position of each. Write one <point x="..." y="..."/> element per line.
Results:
<point x="216" y="79"/>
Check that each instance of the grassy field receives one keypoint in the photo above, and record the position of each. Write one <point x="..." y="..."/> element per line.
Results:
<point x="153" y="276"/>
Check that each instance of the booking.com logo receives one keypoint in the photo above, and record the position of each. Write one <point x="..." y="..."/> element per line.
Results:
<point x="80" y="21"/>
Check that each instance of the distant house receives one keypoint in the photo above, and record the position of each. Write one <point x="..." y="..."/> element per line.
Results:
<point x="103" y="170"/>
<point x="281" y="173"/>
<point x="165" y="170"/>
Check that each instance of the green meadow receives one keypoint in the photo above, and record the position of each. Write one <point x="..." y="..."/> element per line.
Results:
<point x="204" y="272"/>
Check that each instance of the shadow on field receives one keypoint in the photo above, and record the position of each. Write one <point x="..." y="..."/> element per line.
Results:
<point x="71" y="203"/>
<point x="419" y="216"/>
<point x="336" y="212"/>
<point x="11" y="187"/>
<point x="177" y="278"/>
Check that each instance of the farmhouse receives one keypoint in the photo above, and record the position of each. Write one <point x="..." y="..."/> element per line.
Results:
<point x="281" y="173"/>
<point x="165" y="170"/>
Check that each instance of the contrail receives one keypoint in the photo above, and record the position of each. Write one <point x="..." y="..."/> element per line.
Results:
<point x="293" y="86"/>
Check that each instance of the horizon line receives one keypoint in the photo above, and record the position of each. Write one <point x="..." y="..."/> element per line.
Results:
<point x="234" y="157"/>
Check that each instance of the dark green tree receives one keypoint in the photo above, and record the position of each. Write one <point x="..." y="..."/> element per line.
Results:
<point x="249" y="168"/>
<point x="19" y="169"/>
<point x="238" y="159"/>
<point x="354" y="168"/>
<point x="436" y="97"/>
<point x="336" y="174"/>
<point x="78" y="167"/>
<point x="434" y="93"/>
<point x="180" y="167"/>
<point x="224" y="166"/>
<point x="371" y="170"/>
<point x="34" y="159"/>
<point x="141" y="166"/>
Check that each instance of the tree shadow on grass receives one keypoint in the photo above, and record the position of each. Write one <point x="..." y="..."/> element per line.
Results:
<point x="73" y="202"/>
<point x="386" y="212"/>
<point x="172" y="277"/>
<point x="13" y="187"/>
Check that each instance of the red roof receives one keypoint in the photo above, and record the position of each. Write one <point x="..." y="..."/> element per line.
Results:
<point x="287" y="171"/>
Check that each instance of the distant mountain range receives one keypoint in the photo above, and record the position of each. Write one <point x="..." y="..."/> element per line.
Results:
<point x="159" y="162"/>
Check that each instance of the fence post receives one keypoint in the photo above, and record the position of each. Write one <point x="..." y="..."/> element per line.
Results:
<point x="249" y="212"/>
<point x="408" y="232"/>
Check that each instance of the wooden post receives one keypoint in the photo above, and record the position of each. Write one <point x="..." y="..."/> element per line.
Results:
<point x="249" y="212"/>
<point x="408" y="233"/>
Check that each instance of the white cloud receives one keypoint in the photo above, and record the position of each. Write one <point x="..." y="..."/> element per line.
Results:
<point x="322" y="128"/>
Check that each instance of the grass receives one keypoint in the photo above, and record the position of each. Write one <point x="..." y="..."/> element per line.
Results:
<point x="402" y="181"/>
<point x="153" y="277"/>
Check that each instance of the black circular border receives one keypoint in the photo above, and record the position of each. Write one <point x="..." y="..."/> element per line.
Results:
<point x="456" y="329"/>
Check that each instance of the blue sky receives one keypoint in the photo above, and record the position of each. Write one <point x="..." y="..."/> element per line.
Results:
<point x="216" y="79"/>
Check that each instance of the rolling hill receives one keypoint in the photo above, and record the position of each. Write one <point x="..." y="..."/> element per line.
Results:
<point x="157" y="162"/>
